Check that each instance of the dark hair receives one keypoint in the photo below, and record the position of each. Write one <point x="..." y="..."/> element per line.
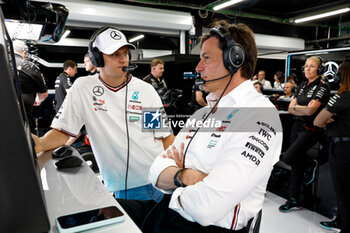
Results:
<point x="69" y="63"/>
<point x="344" y="70"/>
<point x="242" y="35"/>
<point x="280" y="76"/>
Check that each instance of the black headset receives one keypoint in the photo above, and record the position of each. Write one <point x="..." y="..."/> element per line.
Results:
<point x="321" y="67"/>
<point x="233" y="53"/>
<point x="95" y="54"/>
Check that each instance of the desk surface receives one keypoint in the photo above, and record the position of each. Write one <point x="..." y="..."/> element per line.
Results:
<point x="77" y="189"/>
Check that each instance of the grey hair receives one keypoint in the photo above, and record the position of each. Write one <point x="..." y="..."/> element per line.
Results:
<point x="19" y="46"/>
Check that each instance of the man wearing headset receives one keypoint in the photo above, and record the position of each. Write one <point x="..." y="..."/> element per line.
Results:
<point x="110" y="106"/>
<point x="216" y="181"/>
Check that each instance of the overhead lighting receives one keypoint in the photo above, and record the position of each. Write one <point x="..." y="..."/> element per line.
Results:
<point x="136" y="38"/>
<point x="65" y="34"/>
<point x="323" y="15"/>
<point x="225" y="4"/>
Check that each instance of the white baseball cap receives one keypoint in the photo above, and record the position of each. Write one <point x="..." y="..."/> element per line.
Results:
<point x="111" y="40"/>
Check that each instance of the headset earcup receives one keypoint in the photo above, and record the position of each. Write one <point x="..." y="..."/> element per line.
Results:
<point x="233" y="58"/>
<point x="321" y="69"/>
<point x="236" y="55"/>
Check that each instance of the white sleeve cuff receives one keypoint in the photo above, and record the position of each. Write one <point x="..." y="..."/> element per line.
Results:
<point x="175" y="205"/>
<point x="157" y="167"/>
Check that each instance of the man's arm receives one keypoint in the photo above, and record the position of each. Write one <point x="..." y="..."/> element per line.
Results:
<point x="40" y="97"/>
<point x="168" y="141"/>
<point x="199" y="98"/>
<point x="188" y="176"/>
<point x="323" y="118"/>
<point x="52" y="139"/>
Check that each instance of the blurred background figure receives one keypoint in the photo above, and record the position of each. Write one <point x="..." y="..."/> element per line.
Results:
<point x="336" y="117"/>
<point x="63" y="82"/>
<point x="279" y="80"/>
<point x="311" y="96"/>
<point x="89" y="67"/>
<point x="258" y="87"/>
<point x="288" y="90"/>
<point x="32" y="82"/>
<point x="261" y="78"/>
<point x="155" y="77"/>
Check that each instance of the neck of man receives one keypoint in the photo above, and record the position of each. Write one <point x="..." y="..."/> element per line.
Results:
<point x="113" y="80"/>
<point x="158" y="78"/>
<point x="235" y="82"/>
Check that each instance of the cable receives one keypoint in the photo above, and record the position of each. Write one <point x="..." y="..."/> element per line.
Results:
<point x="128" y="140"/>
<point x="206" y="117"/>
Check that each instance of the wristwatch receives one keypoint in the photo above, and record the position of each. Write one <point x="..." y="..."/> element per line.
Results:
<point x="177" y="180"/>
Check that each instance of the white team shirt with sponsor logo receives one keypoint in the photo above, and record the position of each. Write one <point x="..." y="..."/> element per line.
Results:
<point x="238" y="157"/>
<point x="101" y="108"/>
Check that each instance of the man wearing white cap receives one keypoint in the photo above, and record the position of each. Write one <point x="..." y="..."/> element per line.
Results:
<point x="110" y="106"/>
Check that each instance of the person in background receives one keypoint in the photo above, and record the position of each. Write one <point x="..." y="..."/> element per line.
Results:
<point x="261" y="78"/>
<point x="288" y="90"/>
<point x="292" y="78"/>
<point x="89" y="67"/>
<point x="336" y="117"/>
<point x="63" y="82"/>
<point x="110" y="105"/>
<point x="310" y="98"/>
<point x="258" y="87"/>
<point x="32" y="82"/>
<point x="155" y="78"/>
<point x="279" y="79"/>
<point x="216" y="179"/>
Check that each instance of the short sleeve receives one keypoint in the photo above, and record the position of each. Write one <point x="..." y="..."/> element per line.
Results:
<point x="336" y="104"/>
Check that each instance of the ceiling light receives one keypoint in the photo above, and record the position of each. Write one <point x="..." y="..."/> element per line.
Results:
<point x="65" y="34"/>
<point x="136" y="38"/>
<point x="330" y="13"/>
<point x="225" y="4"/>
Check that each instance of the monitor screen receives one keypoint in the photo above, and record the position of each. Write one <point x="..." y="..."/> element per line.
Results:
<point x="24" y="31"/>
<point x="23" y="207"/>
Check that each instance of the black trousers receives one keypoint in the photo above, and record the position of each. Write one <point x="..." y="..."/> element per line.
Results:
<point x="151" y="217"/>
<point x="301" y="141"/>
<point x="339" y="161"/>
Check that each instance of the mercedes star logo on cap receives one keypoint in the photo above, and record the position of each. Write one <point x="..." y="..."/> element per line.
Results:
<point x="115" y="35"/>
<point x="98" y="91"/>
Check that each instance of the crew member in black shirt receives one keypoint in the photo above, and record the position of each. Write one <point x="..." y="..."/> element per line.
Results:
<point x="336" y="117"/>
<point x="63" y="82"/>
<point x="31" y="81"/>
<point x="89" y="67"/>
<point x="310" y="97"/>
<point x="155" y="77"/>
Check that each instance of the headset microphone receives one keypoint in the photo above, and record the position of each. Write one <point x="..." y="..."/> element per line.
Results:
<point x="200" y="81"/>
<point x="130" y="68"/>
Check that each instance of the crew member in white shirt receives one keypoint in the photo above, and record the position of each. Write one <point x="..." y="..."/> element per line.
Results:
<point x="110" y="105"/>
<point x="261" y="78"/>
<point x="216" y="177"/>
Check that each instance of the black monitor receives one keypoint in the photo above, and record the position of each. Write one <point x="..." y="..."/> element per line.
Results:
<point x="22" y="203"/>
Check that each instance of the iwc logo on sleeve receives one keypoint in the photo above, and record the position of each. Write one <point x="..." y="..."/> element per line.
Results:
<point x="98" y="90"/>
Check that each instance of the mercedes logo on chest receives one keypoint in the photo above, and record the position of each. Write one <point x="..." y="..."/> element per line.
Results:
<point x="98" y="90"/>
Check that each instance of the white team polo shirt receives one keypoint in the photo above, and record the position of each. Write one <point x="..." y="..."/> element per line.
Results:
<point x="238" y="157"/>
<point x="107" y="112"/>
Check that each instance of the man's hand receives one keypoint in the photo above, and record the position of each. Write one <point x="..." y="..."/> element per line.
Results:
<point x="191" y="176"/>
<point x="172" y="153"/>
<point x="37" y="143"/>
